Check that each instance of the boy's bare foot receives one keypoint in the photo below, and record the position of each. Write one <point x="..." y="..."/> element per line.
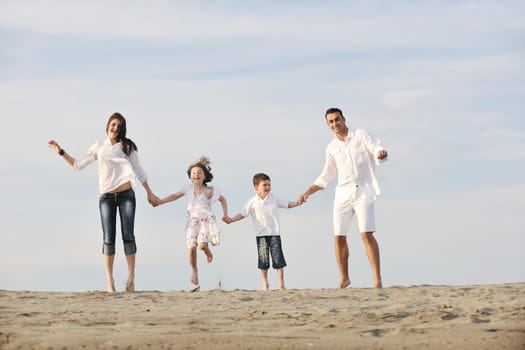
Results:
<point x="266" y="286"/>
<point x="344" y="283"/>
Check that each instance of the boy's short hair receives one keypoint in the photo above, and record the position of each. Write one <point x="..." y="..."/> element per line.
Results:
<point x="257" y="178"/>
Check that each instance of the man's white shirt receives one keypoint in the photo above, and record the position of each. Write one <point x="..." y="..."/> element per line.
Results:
<point x="353" y="161"/>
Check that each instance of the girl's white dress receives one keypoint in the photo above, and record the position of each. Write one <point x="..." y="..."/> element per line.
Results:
<point x="201" y="225"/>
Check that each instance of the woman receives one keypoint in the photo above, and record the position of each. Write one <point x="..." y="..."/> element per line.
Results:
<point x="118" y="165"/>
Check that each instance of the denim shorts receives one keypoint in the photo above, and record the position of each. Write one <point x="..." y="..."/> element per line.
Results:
<point x="267" y="245"/>
<point x="125" y="203"/>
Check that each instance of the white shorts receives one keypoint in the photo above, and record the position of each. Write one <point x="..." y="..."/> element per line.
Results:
<point x="350" y="201"/>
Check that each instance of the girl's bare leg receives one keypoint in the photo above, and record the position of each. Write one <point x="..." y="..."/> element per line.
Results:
<point x="204" y="247"/>
<point x="192" y="256"/>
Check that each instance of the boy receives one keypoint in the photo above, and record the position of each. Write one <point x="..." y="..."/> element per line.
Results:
<point x="263" y="207"/>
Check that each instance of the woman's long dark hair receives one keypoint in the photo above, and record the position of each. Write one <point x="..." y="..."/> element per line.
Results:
<point x="127" y="145"/>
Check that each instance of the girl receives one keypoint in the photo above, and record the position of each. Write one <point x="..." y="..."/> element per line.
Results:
<point x="118" y="165"/>
<point x="201" y="226"/>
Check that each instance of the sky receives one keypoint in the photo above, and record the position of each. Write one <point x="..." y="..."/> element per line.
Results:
<point x="440" y="83"/>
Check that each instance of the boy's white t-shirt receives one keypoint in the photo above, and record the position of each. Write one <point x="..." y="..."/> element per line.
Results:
<point x="265" y="214"/>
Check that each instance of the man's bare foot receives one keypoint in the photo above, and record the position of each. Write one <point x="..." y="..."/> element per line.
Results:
<point x="195" y="277"/>
<point x="344" y="283"/>
<point x="282" y="287"/>
<point x="378" y="284"/>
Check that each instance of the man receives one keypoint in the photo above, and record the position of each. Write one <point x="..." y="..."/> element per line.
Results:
<point x="352" y="154"/>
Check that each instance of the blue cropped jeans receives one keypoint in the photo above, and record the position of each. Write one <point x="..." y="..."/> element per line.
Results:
<point x="125" y="203"/>
<point x="270" y="246"/>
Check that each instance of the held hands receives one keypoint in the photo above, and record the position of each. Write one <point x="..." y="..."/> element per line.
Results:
<point x="227" y="219"/>
<point x="153" y="199"/>
<point x="302" y="199"/>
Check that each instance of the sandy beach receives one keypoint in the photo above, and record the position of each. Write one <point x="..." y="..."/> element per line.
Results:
<point x="416" y="317"/>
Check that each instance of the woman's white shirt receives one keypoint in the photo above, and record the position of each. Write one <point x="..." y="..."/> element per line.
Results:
<point x="114" y="166"/>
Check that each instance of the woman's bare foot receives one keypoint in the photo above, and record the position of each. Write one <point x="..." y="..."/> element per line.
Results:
<point x="130" y="286"/>
<point x="344" y="283"/>
<point x="111" y="286"/>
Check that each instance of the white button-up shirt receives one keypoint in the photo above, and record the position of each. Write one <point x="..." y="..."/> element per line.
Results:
<point x="265" y="214"/>
<point x="354" y="161"/>
<point x="114" y="166"/>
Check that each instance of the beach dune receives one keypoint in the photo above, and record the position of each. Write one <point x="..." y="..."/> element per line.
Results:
<point x="416" y="317"/>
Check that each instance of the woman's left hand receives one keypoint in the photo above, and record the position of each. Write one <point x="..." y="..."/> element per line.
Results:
<point x="153" y="199"/>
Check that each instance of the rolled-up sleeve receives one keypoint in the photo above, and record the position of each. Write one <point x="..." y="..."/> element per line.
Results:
<point x="137" y="168"/>
<point x="373" y="144"/>
<point x="89" y="158"/>
<point x="329" y="171"/>
<point x="247" y="208"/>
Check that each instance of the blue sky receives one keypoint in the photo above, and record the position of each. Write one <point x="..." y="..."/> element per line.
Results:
<point x="441" y="83"/>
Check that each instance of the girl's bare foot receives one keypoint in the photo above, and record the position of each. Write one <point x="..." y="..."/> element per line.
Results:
<point x="344" y="283"/>
<point x="204" y="247"/>
<point x="209" y="255"/>
<point x="195" y="276"/>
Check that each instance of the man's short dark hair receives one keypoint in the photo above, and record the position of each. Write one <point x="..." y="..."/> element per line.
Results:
<point x="333" y="110"/>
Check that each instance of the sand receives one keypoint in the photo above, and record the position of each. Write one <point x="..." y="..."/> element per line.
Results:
<point x="416" y="317"/>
